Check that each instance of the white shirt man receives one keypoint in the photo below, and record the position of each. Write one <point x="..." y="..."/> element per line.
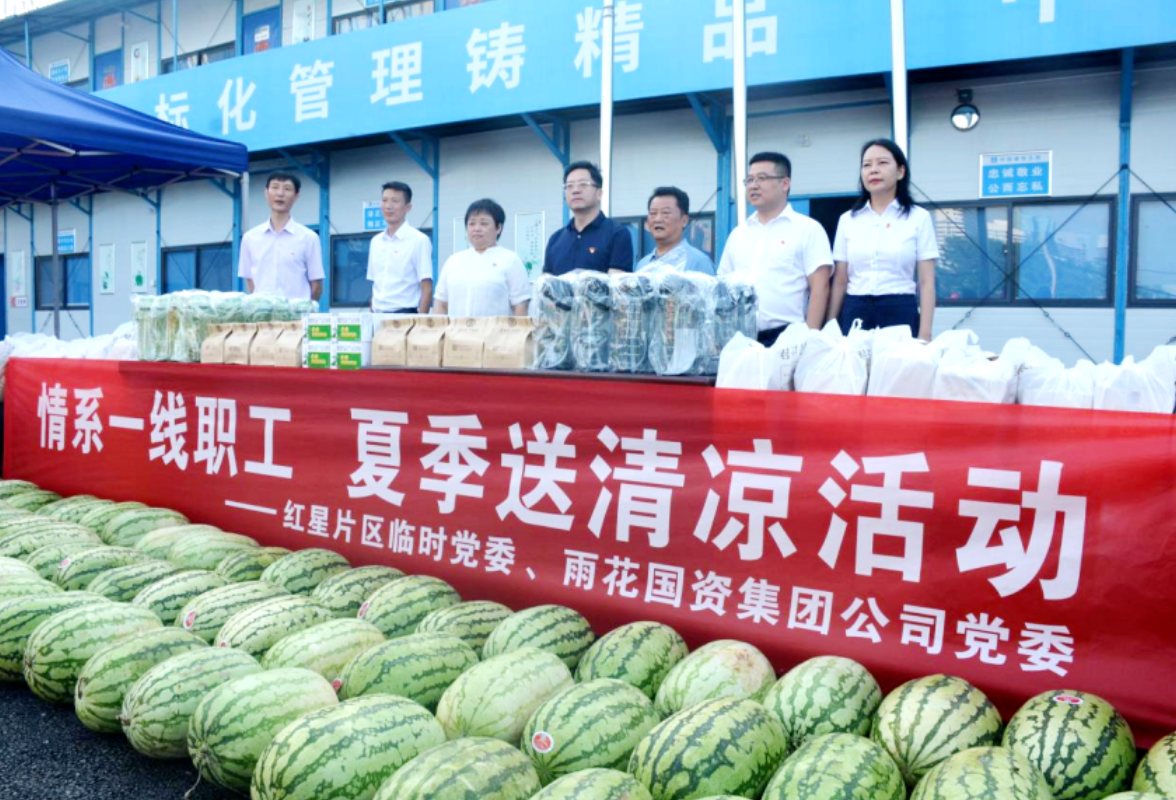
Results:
<point x="281" y="256"/>
<point x="400" y="258"/>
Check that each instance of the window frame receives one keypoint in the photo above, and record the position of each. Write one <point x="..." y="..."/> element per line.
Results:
<point x="64" y="259"/>
<point x="1133" y="300"/>
<point x="368" y="235"/>
<point x="166" y="66"/>
<point x="694" y="215"/>
<point x="195" y="250"/>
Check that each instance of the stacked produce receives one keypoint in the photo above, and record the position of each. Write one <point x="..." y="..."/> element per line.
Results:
<point x="292" y="676"/>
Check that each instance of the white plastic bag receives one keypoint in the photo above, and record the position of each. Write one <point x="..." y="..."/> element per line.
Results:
<point x="971" y="377"/>
<point x="1051" y="384"/>
<point x="743" y="364"/>
<point x="785" y="354"/>
<point x="1149" y="386"/>
<point x="833" y="363"/>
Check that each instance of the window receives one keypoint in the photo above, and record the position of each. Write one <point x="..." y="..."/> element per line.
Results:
<point x="201" y="57"/>
<point x="700" y="233"/>
<point x="394" y="11"/>
<point x="973" y="261"/>
<point x="73" y="281"/>
<point x="350" y="287"/>
<point x="1154" y="259"/>
<point x="208" y="267"/>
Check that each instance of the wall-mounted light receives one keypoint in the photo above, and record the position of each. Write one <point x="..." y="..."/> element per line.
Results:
<point x="965" y="116"/>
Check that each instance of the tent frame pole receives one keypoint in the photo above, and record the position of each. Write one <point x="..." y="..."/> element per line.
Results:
<point x="55" y="264"/>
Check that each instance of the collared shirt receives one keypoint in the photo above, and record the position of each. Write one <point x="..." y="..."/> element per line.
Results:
<point x="483" y="284"/>
<point x="396" y="266"/>
<point x="601" y="246"/>
<point x="778" y="259"/>
<point x="883" y="249"/>
<point x="281" y="262"/>
<point x="683" y="257"/>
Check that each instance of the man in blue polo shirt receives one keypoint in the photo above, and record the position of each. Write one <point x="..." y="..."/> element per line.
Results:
<point x="590" y="240"/>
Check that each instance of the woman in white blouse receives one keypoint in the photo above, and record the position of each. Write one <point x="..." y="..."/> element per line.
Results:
<point x="484" y="280"/>
<point x="885" y="251"/>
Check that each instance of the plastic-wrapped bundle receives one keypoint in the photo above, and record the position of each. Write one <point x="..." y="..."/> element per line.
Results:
<point x="300" y="308"/>
<point x="677" y="323"/>
<point x="259" y="307"/>
<point x="142" y="304"/>
<point x="229" y="307"/>
<point x="592" y="326"/>
<point x="746" y="305"/>
<point x="551" y="315"/>
<point x="195" y="312"/>
<point x="159" y="331"/>
<point x="719" y="325"/>
<point x="633" y="300"/>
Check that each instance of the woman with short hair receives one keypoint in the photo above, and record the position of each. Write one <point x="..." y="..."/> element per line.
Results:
<point x="484" y="280"/>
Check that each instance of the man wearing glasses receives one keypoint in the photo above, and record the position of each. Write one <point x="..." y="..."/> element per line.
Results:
<point x="590" y="240"/>
<point x="785" y="254"/>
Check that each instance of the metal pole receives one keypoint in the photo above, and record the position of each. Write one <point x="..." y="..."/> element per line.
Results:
<point x="158" y="39"/>
<point x="739" y="136"/>
<point x="28" y="46"/>
<point x="175" y="35"/>
<point x="606" y="108"/>
<point x="1123" y="219"/>
<point x="898" y="71"/>
<point x="56" y="262"/>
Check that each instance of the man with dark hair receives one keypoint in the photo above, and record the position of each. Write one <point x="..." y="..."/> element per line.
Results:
<point x="667" y="220"/>
<point x="400" y="258"/>
<point x="281" y="256"/>
<point x="590" y="240"/>
<point x="783" y="252"/>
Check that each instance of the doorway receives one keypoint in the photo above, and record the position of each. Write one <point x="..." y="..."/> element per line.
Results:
<point x="825" y="209"/>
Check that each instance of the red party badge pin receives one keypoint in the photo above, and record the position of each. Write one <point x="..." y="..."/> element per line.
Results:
<point x="542" y="742"/>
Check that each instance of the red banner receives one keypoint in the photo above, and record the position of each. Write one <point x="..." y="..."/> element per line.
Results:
<point x="1024" y="549"/>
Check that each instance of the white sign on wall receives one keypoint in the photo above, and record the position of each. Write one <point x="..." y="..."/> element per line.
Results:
<point x="303" y="20"/>
<point x="140" y="62"/>
<point x="531" y="241"/>
<point x="106" y="269"/>
<point x="18" y="276"/>
<point x="139" y="267"/>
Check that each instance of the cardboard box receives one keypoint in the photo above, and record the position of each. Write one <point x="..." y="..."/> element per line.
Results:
<point x="319" y="327"/>
<point x="390" y="342"/>
<point x="352" y="328"/>
<point x="509" y="344"/>
<point x="465" y="341"/>
<point x="426" y="341"/>
<point x="289" y="347"/>
<point x="238" y="343"/>
<point x="212" y="349"/>
<point x="353" y="355"/>
<point x="265" y="344"/>
<point x="320" y="355"/>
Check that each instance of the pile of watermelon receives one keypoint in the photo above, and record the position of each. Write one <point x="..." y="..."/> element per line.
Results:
<point x="293" y="676"/>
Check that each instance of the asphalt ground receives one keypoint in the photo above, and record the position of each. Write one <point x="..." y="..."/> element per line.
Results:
<point x="47" y="754"/>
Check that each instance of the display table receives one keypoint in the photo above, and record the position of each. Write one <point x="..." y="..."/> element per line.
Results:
<point x="1024" y="549"/>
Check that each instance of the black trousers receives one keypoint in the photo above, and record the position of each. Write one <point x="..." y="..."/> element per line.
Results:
<point x="880" y="311"/>
<point x="767" y="337"/>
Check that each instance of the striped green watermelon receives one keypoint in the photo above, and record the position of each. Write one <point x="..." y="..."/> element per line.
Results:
<point x="127" y="528"/>
<point x="557" y="629"/>
<point x="303" y="570"/>
<point x="22" y="523"/>
<point x="14" y="567"/>
<point x="206" y="550"/>
<point x="158" y="543"/>
<point x="12" y="487"/>
<point x="168" y="595"/>
<point x="595" y="784"/>
<point x="589" y="725"/>
<point x="96" y="518"/>
<point x="78" y="571"/>
<point x="344" y="592"/>
<point x="45" y="560"/>
<point x="235" y="721"/>
<point x="844" y="766"/>
<point x="112" y="670"/>
<point x="1156" y="772"/>
<point x="247" y="565"/>
<point x="158" y="706"/>
<point x="64" y="504"/>
<point x="62" y="644"/>
<point x="722" y="746"/>
<point x="924" y="721"/>
<point x="640" y="654"/>
<point x="19" y="618"/>
<point x="205" y="614"/>
<point x="344" y="752"/>
<point x="13" y="587"/>
<point x="824" y="695"/>
<point x="467" y="769"/>
<point x="325" y="648"/>
<point x="1077" y="740"/>
<point x="496" y="697"/>
<point x="76" y="511"/>
<point x="32" y="499"/>
<point x="8" y="512"/>
<point x="28" y="540"/>
<point x="398" y="607"/>
<point x="724" y="668"/>
<point x="259" y="627"/>
<point x="121" y="584"/>
<point x="472" y="621"/>
<point x="983" y="773"/>
<point x="420" y="667"/>
<point x="1136" y="796"/>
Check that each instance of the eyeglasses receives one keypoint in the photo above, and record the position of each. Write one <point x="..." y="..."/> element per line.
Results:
<point x="751" y="180"/>
<point x="571" y="187"/>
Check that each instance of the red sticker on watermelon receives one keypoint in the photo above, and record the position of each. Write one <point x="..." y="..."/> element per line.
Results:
<point x="337" y="684"/>
<point x="222" y="643"/>
<point x="64" y="563"/>
<point x="190" y="619"/>
<point x="1068" y="699"/>
<point x="363" y="609"/>
<point x="542" y="742"/>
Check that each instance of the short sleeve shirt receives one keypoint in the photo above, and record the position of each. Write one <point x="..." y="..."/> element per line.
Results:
<point x="601" y="246"/>
<point x="882" y="250"/>
<point x="483" y="284"/>
<point x="396" y="266"/>
<point x="281" y="262"/>
<point x="683" y="257"/>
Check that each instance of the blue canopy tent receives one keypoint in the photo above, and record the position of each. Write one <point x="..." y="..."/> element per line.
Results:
<point x="58" y="144"/>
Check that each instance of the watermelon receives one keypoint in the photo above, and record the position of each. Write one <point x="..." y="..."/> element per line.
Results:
<point x="844" y="766"/>
<point x="76" y="511"/>
<point x="62" y="644"/>
<point x="127" y="528"/>
<point x="344" y="752"/>
<point x="205" y="614"/>
<point x="1156" y="772"/>
<point x="924" y="721"/>
<point x="467" y="769"/>
<point x="496" y="697"/>
<point x="1136" y="796"/>
<point x="12" y="487"/>
<point x="236" y="720"/>
<point x="983" y="773"/>
<point x="247" y="565"/>
<point x="325" y="648"/>
<point x="15" y="568"/>
<point x="45" y="560"/>
<point x="8" y="512"/>
<point x="78" y="571"/>
<point x="721" y="746"/>
<point x="29" y="540"/>
<point x="420" y="667"/>
<point x="824" y="695"/>
<point x="724" y="668"/>
<point x="301" y="571"/>
<point x="640" y="654"/>
<point x="32" y="499"/>
<point x="557" y="629"/>
<point x="13" y="587"/>
<point x="96" y="518"/>
<point x="1077" y="741"/>
<point x="398" y="607"/>
<point x="344" y="592"/>
<point x="472" y="622"/>
<point x="112" y="670"/>
<point x="19" y="618"/>
<point x="64" y="504"/>
<point x="121" y="584"/>
<point x="589" y="725"/>
<point x="259" y="627"/>
<point x="207" y="550"/>
<point x="595" y="784"/>
<point x="168" y="595"/>
<point x="158" y="543"/>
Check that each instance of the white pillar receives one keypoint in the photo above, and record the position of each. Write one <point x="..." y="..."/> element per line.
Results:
<point x="606" y="108"/>
<point x="898" y="76"/>
<point x="739" y="136"/>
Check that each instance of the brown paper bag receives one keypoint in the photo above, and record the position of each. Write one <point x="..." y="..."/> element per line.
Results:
<point x="510" y="344"/>
<point x="288" y="348"/>
<point x="426" y="341"/>
<point x="212" y="349"/>
<point x="465" y="341"/>
<point x="390" y="343"/>
<point x="239" y="341"/>
<point x="264" y="345"/>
